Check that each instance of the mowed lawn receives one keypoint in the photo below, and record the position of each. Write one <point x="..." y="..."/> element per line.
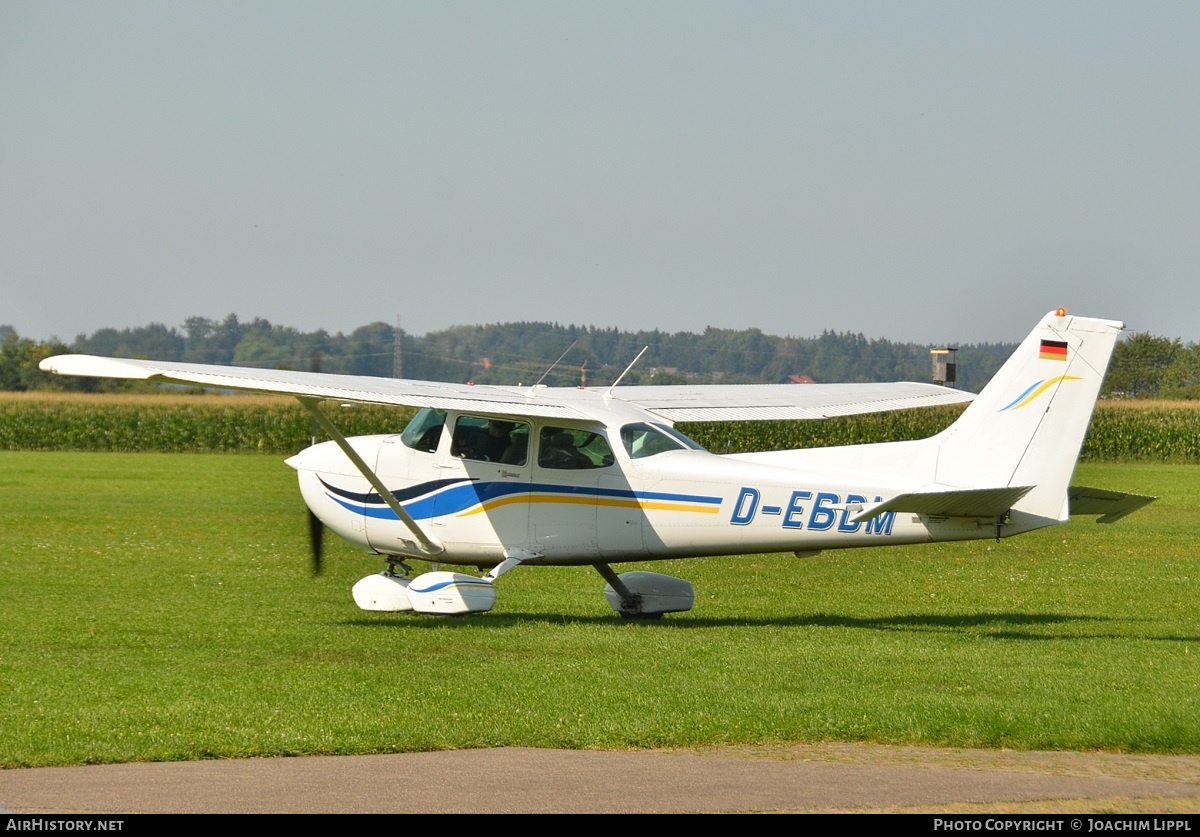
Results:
<point x="161" y="607"/>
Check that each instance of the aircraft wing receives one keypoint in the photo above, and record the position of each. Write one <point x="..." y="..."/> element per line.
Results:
<point x="764" y="402"/>
<point x="362" y="389"/>
<point x="734" y="402"/>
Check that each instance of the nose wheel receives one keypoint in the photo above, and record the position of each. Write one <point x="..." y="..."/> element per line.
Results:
<point x="386" y="591"/>
<point x="396" y="568"/>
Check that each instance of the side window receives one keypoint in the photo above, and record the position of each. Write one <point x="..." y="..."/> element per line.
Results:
<point x="567" y="448"/>
<point x="491" y="440"/>
<point x="642" y="440"/>
<point x="425" y="430"/>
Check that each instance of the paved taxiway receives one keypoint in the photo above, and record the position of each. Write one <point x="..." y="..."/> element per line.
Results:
<point x="834" y="777"/>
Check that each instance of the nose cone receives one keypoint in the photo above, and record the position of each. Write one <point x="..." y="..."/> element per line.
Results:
<point x="333" y="488"/>
<point x="328" y="458"/>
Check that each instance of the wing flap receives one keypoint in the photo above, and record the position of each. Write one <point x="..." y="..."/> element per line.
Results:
<point x="966" y="502"/>
<point x="1110" y="505"/>
<point x="767" y="402"/>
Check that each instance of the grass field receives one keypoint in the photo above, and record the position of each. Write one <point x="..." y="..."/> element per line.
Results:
<point x="160" y="607"/>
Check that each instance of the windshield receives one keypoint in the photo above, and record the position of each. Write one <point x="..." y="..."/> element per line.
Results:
<point x="425" y="430"/>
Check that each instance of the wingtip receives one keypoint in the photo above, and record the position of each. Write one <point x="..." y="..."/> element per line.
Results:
<point x="50" y="364"/>
<point x="96" y="367"/>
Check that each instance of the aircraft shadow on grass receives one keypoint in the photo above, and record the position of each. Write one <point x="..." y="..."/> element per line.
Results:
<point x="990" y="626"/>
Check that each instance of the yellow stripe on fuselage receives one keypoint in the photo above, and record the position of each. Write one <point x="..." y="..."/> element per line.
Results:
<point x="633" y="503"/>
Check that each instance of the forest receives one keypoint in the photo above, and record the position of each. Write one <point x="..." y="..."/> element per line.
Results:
<point x="1144" y="366"/>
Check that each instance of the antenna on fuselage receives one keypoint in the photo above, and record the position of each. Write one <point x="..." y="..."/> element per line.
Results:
<point x="608" y="394"/>
<point x="551" y="369"/>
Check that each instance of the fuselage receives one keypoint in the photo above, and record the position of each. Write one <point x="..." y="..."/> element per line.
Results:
<point x="623" y="491"/>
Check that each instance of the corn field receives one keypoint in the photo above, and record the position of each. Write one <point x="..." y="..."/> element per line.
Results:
<point x="1121" y="431"/>
<point x="176" y="424"/>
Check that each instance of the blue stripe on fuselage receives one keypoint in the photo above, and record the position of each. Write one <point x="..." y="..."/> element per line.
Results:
<point x="458" y="496"/>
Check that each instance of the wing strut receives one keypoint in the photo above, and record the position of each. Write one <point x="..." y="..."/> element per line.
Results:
<point x="429" y="544"/>
<point x="630" y="602"/>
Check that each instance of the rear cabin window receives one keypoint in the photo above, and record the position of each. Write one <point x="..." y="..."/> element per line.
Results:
<point x="568" y="448"/>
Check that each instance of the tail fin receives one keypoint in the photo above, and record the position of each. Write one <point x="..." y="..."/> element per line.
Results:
<point x="1027" y="426"/>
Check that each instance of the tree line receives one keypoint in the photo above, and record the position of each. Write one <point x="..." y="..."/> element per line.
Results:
<point x="526" y="353"/>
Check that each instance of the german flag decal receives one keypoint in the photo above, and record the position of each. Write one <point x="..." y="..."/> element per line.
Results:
<point x="1053" y="350"/>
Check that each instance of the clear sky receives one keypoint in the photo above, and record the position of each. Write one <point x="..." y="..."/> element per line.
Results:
<point x="921" y="171"/>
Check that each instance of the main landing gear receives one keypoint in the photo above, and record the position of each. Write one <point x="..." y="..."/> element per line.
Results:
<point x="634" y="595"/>
<point x="642" y="595"/>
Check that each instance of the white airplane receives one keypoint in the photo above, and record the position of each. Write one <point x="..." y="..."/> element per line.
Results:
<point x="496" y="477"/>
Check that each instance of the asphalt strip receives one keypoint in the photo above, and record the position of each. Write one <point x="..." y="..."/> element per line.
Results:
<point x="802" y="778"/>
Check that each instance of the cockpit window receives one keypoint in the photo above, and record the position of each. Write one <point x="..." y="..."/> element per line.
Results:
<point x="425" y="430"/>
<point x="564" y="448"/>
<point x="642" y="440"/>
<point x="491" y="440"/>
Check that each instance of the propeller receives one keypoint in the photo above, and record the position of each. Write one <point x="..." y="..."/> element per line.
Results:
<point x="316" y="529"/>
<point x="316" y="537"/>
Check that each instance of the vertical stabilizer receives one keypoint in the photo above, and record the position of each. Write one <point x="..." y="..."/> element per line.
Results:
<point x="1027" y="426"/>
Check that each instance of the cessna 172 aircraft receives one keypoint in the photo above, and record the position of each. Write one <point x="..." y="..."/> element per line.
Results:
<point x="496" y="477"/>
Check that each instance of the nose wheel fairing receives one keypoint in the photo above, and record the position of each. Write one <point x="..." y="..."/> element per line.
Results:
<point x="436" y="593"/>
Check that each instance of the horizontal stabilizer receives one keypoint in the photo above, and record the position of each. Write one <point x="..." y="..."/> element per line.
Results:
<point x="1110" y="505"/>
<point x="967" y="502"/>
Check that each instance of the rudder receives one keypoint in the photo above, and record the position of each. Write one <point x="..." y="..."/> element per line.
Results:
<point x="1027" y="426"/>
